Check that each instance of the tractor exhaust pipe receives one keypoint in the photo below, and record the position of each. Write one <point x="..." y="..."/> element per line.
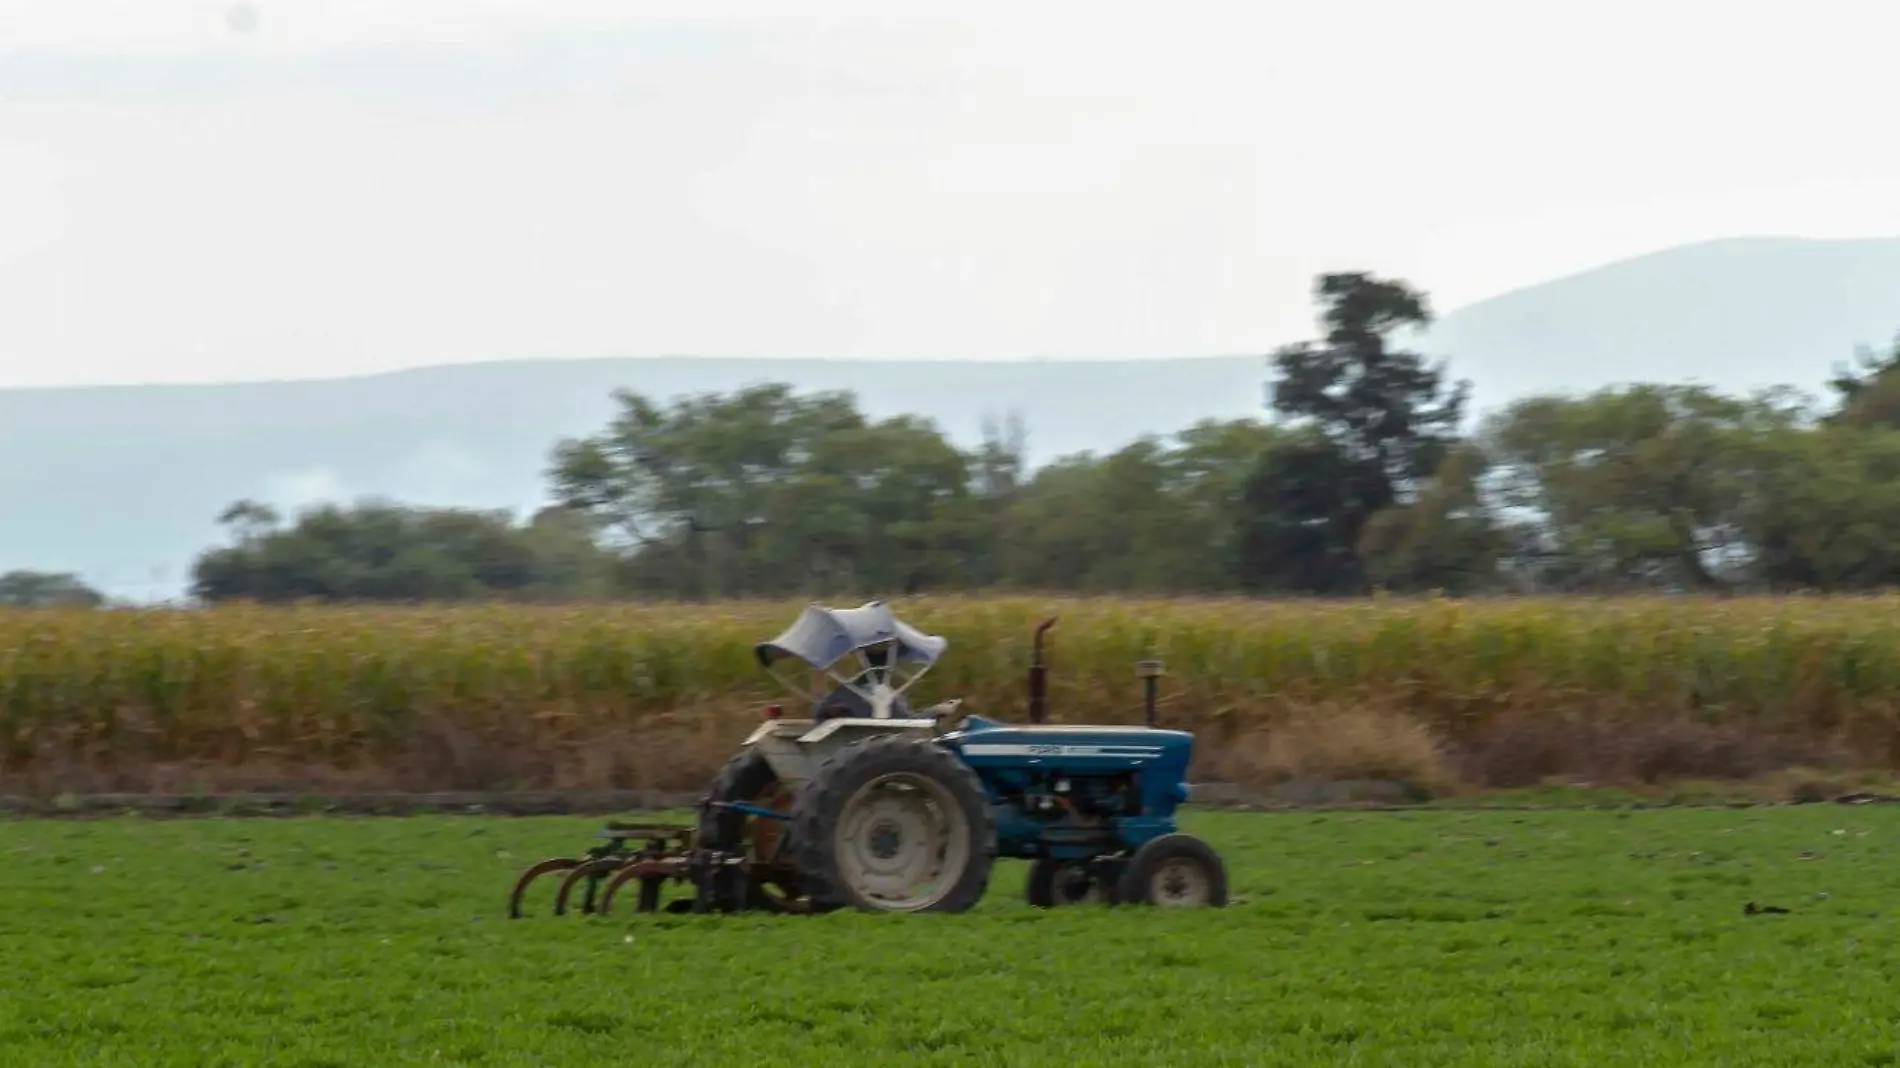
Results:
<point x="1039" y="677"/>
<point x="1150" y="673"/>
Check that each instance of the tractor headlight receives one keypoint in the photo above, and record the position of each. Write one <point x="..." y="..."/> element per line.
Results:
<point x="1182" y="791"/>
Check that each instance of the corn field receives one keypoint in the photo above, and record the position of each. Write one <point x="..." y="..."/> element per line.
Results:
<point x="1485" y="691"/>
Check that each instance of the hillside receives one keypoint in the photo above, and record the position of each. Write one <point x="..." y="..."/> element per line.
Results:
<point x="122" y="484"/>
<point x="1738" y="314"/>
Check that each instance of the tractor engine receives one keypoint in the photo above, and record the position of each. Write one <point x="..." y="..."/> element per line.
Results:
<point x="1081" y="799"/>
<point x="1076" y="791"/>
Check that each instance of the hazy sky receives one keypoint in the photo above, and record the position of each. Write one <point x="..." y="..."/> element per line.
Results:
<point x="195" y="191"/>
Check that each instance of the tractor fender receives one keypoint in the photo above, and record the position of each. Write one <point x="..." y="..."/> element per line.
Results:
<point x="795" y="748"/>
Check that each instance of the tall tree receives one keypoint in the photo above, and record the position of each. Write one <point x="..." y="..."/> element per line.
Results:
<point x="379" y="551"/>
<point x="1157" y="516"/>
<point x="1869" y="396"/>
<point x="1445" y="539"/>
<point x="688" y="488"/>
<point x="1823" y="508"/>
<point x="47" y="589"/>
<point x="1379" y="421"/>
<point x="1382" y="407"/>
<point x="1304" y="506"/>
<point x="767" y="491"/>
<point x="1641" y="486"/>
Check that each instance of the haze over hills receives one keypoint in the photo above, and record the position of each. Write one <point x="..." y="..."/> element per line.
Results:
<point x="122" y="484"/>
<point x="1738" y="314"/>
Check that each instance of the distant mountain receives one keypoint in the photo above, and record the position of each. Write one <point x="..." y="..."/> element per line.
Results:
<point x="1738" y="314"/>
<point x="122" y="484"/>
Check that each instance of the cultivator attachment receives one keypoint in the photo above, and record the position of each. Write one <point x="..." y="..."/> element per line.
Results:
<point x="663" y="854"/>
<point x="652" y="855"/>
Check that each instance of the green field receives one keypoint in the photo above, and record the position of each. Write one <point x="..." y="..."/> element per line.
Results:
<point x="1410" y="938"/>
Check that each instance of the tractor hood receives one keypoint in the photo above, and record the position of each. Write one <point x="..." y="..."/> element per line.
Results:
<point x="986" y="738"/>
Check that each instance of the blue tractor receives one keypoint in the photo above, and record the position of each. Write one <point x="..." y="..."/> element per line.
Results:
<point x="870" y="804"/>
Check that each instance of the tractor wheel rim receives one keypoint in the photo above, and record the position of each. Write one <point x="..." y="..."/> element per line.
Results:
<point x="902" y="841"/>
<point x="1180" y="883"/>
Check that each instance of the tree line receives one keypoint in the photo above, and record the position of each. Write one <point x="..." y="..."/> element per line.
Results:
<point x="1360" y="476"/>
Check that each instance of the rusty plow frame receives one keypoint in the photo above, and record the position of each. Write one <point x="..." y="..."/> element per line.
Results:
<point x="652" y="855"/>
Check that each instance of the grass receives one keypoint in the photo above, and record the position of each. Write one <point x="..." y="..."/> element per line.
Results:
<point x="1451" y="694"/>
<point x="1417" y="939"/>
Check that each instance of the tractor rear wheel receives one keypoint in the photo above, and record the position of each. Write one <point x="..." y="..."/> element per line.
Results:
<point x="1175" y="871"/>
<point x="894" y="823"/>
<point x="771" y="883"/>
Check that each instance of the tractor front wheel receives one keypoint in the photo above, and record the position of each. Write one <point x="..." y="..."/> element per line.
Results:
<point x="1175" y="871"/>
<point x="894" y="823"/>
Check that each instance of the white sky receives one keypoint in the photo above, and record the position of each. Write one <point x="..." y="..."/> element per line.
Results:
<point x="355" y="186"/>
